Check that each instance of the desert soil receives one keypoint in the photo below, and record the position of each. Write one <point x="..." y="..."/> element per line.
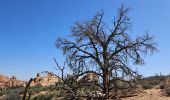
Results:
<point x="150" y="94"/>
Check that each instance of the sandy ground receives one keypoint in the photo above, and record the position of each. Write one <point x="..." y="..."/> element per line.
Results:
<point x="150" y="94"/>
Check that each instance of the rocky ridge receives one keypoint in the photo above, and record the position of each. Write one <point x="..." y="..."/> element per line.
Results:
<point x="12" y="82"/>
<point x="46" y="80"/>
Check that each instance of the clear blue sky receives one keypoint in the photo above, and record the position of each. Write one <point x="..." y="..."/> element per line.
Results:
<point x="29" y="28"/>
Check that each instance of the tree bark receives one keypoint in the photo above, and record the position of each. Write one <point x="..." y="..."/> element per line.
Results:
<point x="106" y="83"/>
<point x="26" y="89"/>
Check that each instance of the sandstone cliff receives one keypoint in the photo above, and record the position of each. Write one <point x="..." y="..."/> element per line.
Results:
<point x="6" y="82"/>
<point x="46" y="80"/>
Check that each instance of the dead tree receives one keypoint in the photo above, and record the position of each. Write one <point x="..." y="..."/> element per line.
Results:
<point x="68" y="82"/>
<point x="106" y="50"/>
<point x="26" y="90"/>
<point x="60" y="68"/>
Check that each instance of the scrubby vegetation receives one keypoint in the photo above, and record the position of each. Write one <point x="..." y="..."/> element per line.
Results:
<point x="43" y="97"/>
<point x="56" y="92"/>
<point x="152" y="81"/>
<point x="158" y="81"/>
<point x="16" y="93"/>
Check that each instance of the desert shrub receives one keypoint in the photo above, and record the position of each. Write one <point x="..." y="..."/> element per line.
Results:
<point x="167" y="90"/>
<point x="39" y="88"/>
<point x="8" y="91"/>
<point x="43" y="97"/>
<point x="36" y="89"/>
<point x="2" y="92"/>
<point x="12" y="96"/>
<point x="162" y="86"/>
<point x="150" y="82"/>
<point x="154" y="82"/>
<point x="147" y="86"/>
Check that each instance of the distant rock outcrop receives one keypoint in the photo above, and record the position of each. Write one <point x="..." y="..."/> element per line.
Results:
<point x="3" y="81"/>
<point x="6" y="82"/>
<point x="13" y="82"/>
<point x="90" y="77"/>
<point x="46" y="80"/>
<point x="49" y="79"/>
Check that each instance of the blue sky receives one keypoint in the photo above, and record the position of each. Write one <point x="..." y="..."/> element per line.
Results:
<point x="29" y="28"/>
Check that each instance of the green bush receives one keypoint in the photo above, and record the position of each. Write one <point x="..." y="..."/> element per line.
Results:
<point x="150" y="82"/>
<point x="147" y="86"/>
<point x="40" y="88"/>
<point x="12" y="96"/>
<point x="43" y="97"/>
<point x="8" y="91"/>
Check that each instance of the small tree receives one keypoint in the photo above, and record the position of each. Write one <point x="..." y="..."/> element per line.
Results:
<point x="106" y="51"/>
<point x="69" y="83"/>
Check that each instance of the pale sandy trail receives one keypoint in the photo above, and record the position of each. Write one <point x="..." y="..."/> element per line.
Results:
<point x="150" y="94"/>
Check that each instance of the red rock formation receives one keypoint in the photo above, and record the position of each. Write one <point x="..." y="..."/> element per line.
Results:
<point x="3" y="78"/>
<point x="12" y="82"/>
<point x="46" y="80"/>
<point x="90" y="77"/>
<point x="3" y="81"/>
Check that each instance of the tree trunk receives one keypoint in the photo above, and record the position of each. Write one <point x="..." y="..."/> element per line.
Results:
<point x="106" y="83"/>
<point x="26" y="89"/>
